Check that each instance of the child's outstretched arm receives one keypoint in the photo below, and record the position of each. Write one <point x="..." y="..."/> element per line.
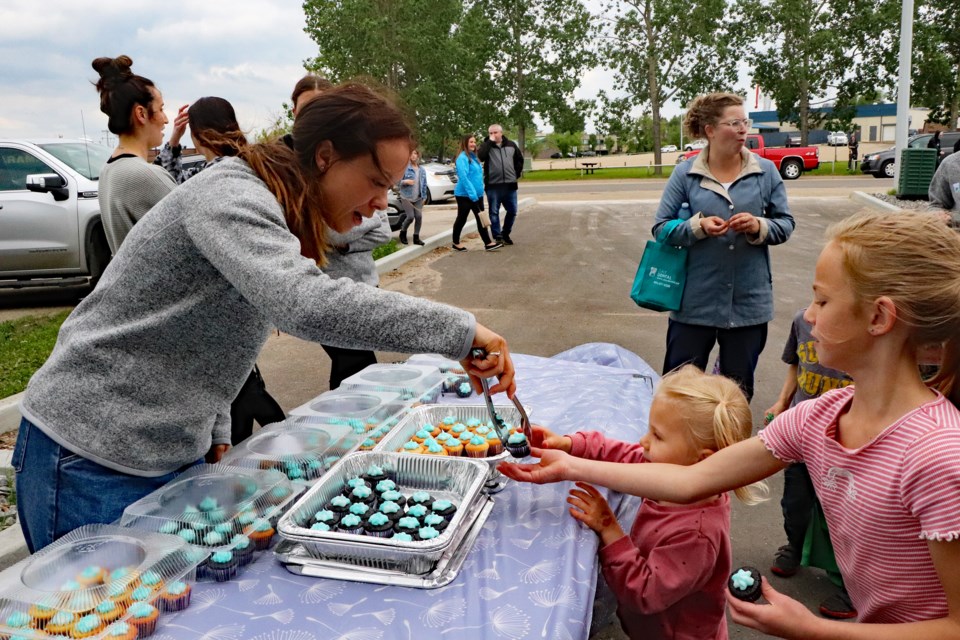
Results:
<point x="732" y="467"/>
<point x="784" y="617"/>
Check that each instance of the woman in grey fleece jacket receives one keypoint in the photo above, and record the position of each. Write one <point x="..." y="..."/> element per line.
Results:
<point x="143" y="365"/>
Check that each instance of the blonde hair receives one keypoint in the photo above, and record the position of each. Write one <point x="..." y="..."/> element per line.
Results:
<point x="912" y="258"/>
<point x="716" y="412"/>
<point x="707" y="109"/>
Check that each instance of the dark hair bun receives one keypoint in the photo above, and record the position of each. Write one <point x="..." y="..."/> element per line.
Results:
<point x="112" y="68"/>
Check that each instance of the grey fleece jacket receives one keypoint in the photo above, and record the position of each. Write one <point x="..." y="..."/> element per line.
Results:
<point x="351" y="255"/>
<point x="145" y="363"/>
<point x="945" y="186"/>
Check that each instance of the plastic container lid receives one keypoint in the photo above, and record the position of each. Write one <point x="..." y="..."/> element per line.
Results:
<point x="301" y="453"/>
<point x="209" y="504"/>
<point x="414" y="382"/>
<point x="81" y="570"/>
<point x="446" y="365"/>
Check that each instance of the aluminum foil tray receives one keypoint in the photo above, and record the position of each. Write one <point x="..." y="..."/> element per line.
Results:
<point x="295" y="559"/>
<point x="459" y="480"/>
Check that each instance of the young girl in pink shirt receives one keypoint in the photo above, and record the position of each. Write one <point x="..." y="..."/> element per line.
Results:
<point x="883" y="453"/>
<point x="669" y="575"/>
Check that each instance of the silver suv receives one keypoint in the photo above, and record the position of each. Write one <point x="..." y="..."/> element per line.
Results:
<point x="50" y="229"/>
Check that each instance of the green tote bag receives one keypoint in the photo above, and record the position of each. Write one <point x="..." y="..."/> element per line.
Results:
<point x="662" y="273"/>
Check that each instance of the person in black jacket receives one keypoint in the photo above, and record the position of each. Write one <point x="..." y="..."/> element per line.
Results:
<point x="502" y="167"/>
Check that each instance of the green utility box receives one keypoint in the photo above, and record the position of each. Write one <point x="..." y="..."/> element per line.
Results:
<point x="917" y="167"/>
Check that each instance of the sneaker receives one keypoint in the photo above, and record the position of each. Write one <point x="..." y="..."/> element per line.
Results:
<point x="493" y="247"/>
<point x="786" y="562"/>
<point x="838" y="607"/>
<point x="506" y="239"/>
<point x="497" y="238"/>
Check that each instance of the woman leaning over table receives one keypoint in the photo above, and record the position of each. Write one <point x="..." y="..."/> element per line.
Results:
<point x="142" y="367"/>
<point x="738" y="207"/>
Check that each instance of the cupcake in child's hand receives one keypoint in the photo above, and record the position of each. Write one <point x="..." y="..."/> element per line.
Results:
<point x="518" y="446"/>
<point x="176" y="596"/>
<point x="222" y="565"/>
<point x="144" y="617"/>
<point x="745" y="583"/>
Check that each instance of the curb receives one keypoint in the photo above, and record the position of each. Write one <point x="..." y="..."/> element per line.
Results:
<point x="870" y="201"/>
<point x="13" y="547"/>
<point x="10" y="413"/>
<point x="398" y="258"/>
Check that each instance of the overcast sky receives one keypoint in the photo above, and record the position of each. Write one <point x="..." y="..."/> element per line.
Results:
<point x="250" y="52"/>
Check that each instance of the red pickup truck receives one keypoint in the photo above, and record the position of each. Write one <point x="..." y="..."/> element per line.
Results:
<point x="791" y="162"/>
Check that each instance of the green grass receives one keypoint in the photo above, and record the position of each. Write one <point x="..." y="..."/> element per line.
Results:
<point x="25" y="344"/>
<point x="386" y="249"/>
<point x="838" y="168"/>
<point x="602" y="173"/>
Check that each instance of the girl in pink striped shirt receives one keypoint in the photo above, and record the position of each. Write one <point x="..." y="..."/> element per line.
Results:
<point x="883" y="453"/>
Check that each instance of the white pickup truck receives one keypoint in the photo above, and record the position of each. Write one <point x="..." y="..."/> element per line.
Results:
<point x="50" y="229"/>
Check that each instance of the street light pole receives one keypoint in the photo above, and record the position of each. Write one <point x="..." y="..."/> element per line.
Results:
<point x="903" y="86"/>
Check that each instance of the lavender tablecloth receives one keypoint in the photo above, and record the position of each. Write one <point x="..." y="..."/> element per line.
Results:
<point x="532" y="572"/>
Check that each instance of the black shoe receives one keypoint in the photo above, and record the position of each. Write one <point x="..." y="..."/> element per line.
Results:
<point x="417" y="240"/>
<point x="493" y="247"/>
<point x="456" y="248"/>
<point x="838" y="607"/>
<point x="506" y="239"/>
<point x="786" y="562"/>
<point x="497" y="239"/>
<point x="403" y="237"/>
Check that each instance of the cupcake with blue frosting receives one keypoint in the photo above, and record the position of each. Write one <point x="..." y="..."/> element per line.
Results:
<point x="222" y="566"/>
<point x="351" y="523"/>
<point x="518" y="446"/>
<point x="175" y="596"/>
<point x="378" y="525"/>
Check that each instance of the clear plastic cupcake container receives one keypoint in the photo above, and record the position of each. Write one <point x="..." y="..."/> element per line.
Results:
<point x="211" y="506"/>
<point x="459" y="480"/>
<point x="416" y="383"/>
<point x="455" y="379"/>
<point x="353" y="407"/>
<point x="301" y="453"/>
<point x="97" y="571"/>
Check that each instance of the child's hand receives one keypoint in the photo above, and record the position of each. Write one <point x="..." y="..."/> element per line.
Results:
<point x="590" y="508"/>
<point x="554" y="466"/>
<point x="783" y="617"/>
<point x="543" y="438"/>
<point x="773" y="412"/>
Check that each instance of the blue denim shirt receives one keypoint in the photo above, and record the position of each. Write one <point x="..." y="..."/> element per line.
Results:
<point x="469" y="177"/>
<point x="729" y="283"/>
<point x="406" y="190"/>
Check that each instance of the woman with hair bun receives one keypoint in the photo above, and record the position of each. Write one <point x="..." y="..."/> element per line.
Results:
<point x="737" y="209"/>
<point x="129" y="184"/>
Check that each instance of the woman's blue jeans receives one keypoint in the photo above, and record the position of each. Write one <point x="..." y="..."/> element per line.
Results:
<point x="58" y="490"/>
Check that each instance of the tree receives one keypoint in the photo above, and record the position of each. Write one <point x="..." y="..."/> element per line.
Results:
<point x="803" y="49"/>
<point x="543" y="46"/>
<point x="663" y="50"/>
<point x="432" y="55"/>
<point x="569" y="119"/>
<point x="564" y="142"/>
<point x="936" y="60"/>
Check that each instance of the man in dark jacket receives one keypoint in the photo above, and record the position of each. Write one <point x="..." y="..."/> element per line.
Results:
<point x="502" y="167"/>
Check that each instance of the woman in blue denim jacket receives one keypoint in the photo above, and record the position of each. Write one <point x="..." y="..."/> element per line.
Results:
<point x="413" y="191"/>
<point x="469" y="193"/>
<point x="738" y="207"/>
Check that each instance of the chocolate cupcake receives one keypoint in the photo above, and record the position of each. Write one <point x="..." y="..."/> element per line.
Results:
<point x="339" y="504"/>
<point x="402" y="537"/>
<point x="427" y="533"/>
<point x="361" y="509"/>
<point x="351" y="523"/>
<point x="327" y="517"/>
<point x="320" y="526"/>
<point x="436" y="521"/>
<point x="242" y="549"/>
<point x="222" y="566"/>
<point x="407" y="524"/>
<point x="420" y="497"/>
<point x="353" y="483"/>
<point x="378" y="525"/>
<point x="444" y="508"/>
<point x="418" y="511"/>
<point x="745" y="583"/>
<point x="518" y="446"/>
<point x="391" y="509"/>
<point x="385" y="485"/>
<point x="363" y="494"/>
<point x="374" y="474"/>
<point x="393" y="496"/>
<point x="176" y="596"/>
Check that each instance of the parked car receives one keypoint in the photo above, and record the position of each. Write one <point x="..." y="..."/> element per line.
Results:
<point x="587" y="154"/>
<point x="791" y="163"/>
<point x="50" y="228"/>
<point x="881" y="164"/>
<point x="194" y="160"/>
<point x="441" y="180"/>
<point x="837" y="139"/>
<point x="793" y="139"/>
<point x="670" y="148"/>
<point x="556" y="155"/>
<point x="695" y="145"/>
<point x="394" y="209"/>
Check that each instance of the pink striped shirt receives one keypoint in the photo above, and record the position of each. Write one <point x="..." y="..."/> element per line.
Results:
<point x="882" y="501"/>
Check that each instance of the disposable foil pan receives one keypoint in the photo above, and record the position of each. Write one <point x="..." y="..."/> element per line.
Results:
<point x="455" y="479"/>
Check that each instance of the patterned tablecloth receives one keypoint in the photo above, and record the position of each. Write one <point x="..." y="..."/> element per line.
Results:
<point x="532" y="572"/>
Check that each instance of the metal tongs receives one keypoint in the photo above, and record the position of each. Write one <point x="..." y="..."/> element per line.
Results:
<point x="496" y="420"/>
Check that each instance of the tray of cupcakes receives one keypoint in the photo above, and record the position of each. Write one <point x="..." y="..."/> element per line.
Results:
<point x="388" y="511"/>
<point x="226" y="513"/>
<point x="99" y="581"/>
<point x="416" y="383"/>
<point x="302" y="454"/>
